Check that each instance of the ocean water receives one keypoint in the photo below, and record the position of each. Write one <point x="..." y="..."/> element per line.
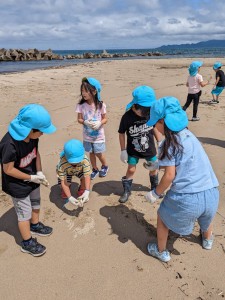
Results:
<point x="22" y="66"/>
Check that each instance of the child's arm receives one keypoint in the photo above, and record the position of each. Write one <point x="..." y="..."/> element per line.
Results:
<point x="157" y="134"/>
<point x="80" y="118"/>
<point x="122" y="141"/>
<point x="38" y="162"/>
<point x="166" y="180"/>
<point x="66" y="188"/>
<point x="87" y="182"/>
<point x="104" y="119"/>
<point x="204" y="83"/>
<point x="10" y="170"/>
<point x="123" y="154"/>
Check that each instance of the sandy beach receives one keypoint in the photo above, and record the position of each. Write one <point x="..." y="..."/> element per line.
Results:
<point x="100" y="252"/>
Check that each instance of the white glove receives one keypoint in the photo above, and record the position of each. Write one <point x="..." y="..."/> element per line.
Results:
<point x="151" y="197"/>
<point x="40" y="173"/>
<point x="84" y="197"/>
<point x="36" y="178"/>
<point x="124" y="156"/>
<point x="151" y="165"/>
<point x="95" y="125"/>
<point x="88" y="123"/>
<point x="75" y="201"/>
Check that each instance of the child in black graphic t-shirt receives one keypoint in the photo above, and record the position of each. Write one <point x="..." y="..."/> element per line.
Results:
<point x="22" y="172"/>
<point x="140" y="138"/>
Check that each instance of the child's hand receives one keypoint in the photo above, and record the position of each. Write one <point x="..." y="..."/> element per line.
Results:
<point x="88" y="123"/>
<point x="151" y="165"/>
<point x="151" y="197"/>
<point x="124" y="156"/>
<point x="84" y="197"/>
<point x="36" y="178"/>
<point x="95" y="125"/>
<point x="75" y="201"/>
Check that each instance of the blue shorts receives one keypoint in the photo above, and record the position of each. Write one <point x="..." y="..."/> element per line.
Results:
<point x="179" y="212"/>
<point x="94" y="147"/>
<point x="218" y="90"/>
<point x="134" y="160"/>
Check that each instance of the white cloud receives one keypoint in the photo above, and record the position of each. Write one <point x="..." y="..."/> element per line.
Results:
<point x="84" y="24"/>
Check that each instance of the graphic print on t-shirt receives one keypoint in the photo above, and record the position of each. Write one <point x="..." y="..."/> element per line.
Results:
<point x="25" y="161"/>
<point x="139" y="135"/>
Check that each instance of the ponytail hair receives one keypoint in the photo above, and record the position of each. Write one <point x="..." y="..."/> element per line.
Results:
<point x="171" y="142"/>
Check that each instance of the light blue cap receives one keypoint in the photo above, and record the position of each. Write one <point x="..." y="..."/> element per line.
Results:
<point x="193" y="68"/>
<point x="95" y="84"/>
<point x="169" y="109"/>
<point x="73" y="151"/>
<point x="142" y="95"/>
<point x="217" y="65"/>
<point x="31" y="116"/>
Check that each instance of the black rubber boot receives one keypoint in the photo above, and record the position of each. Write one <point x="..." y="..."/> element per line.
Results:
<point x="154" y="180"/>
<point x="127" y="183"/>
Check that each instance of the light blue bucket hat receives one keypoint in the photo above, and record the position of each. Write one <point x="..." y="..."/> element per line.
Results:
<point x="142" y="95"/>
<point x="193" y="68"/>
<point x="31" y="116"/>
<point x="169" y="109"/>
<point x="73" y="151"/>
<point x="96" y="84"/>
<point x="217" y="65"/>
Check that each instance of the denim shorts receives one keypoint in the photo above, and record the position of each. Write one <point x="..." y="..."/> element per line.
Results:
<point x="24" y="206"/>
<point x="218" y="90"/>
<point x="179" y="212"/>
<point x="134" y="160"/>
<point x="94" y="147"/>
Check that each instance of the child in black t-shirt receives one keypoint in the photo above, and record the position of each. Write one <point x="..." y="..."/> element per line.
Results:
<point x="219" y="84"/>
<point x="140" y="138"/>
<point x="22" y="172"/>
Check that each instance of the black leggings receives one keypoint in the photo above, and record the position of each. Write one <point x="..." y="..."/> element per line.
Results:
<point x="195" y="98"/>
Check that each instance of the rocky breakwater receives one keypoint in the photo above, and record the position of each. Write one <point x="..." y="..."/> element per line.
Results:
<point x="105" y="54"/>
<point x="30" y="54"/>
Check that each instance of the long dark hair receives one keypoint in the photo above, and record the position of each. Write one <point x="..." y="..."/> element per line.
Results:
<point x="91" y="89"/>
<point x="171" y="141"/>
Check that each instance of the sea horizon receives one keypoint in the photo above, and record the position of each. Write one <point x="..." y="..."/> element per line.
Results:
<point x="22" y="66"/>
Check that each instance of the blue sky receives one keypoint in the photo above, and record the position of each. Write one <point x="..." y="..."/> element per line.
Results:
<point x="108" y="24"/>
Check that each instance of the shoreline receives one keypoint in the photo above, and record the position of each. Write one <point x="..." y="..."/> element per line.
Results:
<point x="86" y="61"/>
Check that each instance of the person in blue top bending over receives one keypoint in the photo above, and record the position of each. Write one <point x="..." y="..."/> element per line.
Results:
<point x="192" y="185"/>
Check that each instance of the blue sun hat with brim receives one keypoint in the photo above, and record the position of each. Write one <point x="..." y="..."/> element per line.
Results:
<point x="169" y="109"/>
<point x="193" y="68"/>
<point x="73" y="151"/>
<point x="142" y="95"/>
<point x="96" y="84"/>
<point x="31" y="116"/>
<point x="217" y="65"/>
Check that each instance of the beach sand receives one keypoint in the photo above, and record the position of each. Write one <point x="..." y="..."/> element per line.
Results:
<point x="100" y="252"/>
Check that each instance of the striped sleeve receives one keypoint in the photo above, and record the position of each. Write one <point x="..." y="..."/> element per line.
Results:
<point x="86" y="166"/>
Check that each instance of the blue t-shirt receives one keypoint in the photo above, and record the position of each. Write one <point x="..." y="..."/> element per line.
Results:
<point x="194" y="172"/>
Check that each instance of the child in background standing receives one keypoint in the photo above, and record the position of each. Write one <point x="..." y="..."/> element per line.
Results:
<point x="219" y="84"/>
<point x="193" y="187"/>
<point x="74" y="162"/>
<point x="22" y="172"/>
<point x="92" y="115"/>
<point x="140" y="139"/>
<point x="194" y="84"/>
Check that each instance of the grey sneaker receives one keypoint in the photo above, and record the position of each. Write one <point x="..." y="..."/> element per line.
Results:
<point x="33" y="248"/>
<point x="154" y="251"/>
<point x="195" y="119"/>
<point x="41" y="230"/>
<point x="207" y="244"/>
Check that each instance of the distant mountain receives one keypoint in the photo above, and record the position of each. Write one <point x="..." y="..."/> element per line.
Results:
<point x="206" y="44"/>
